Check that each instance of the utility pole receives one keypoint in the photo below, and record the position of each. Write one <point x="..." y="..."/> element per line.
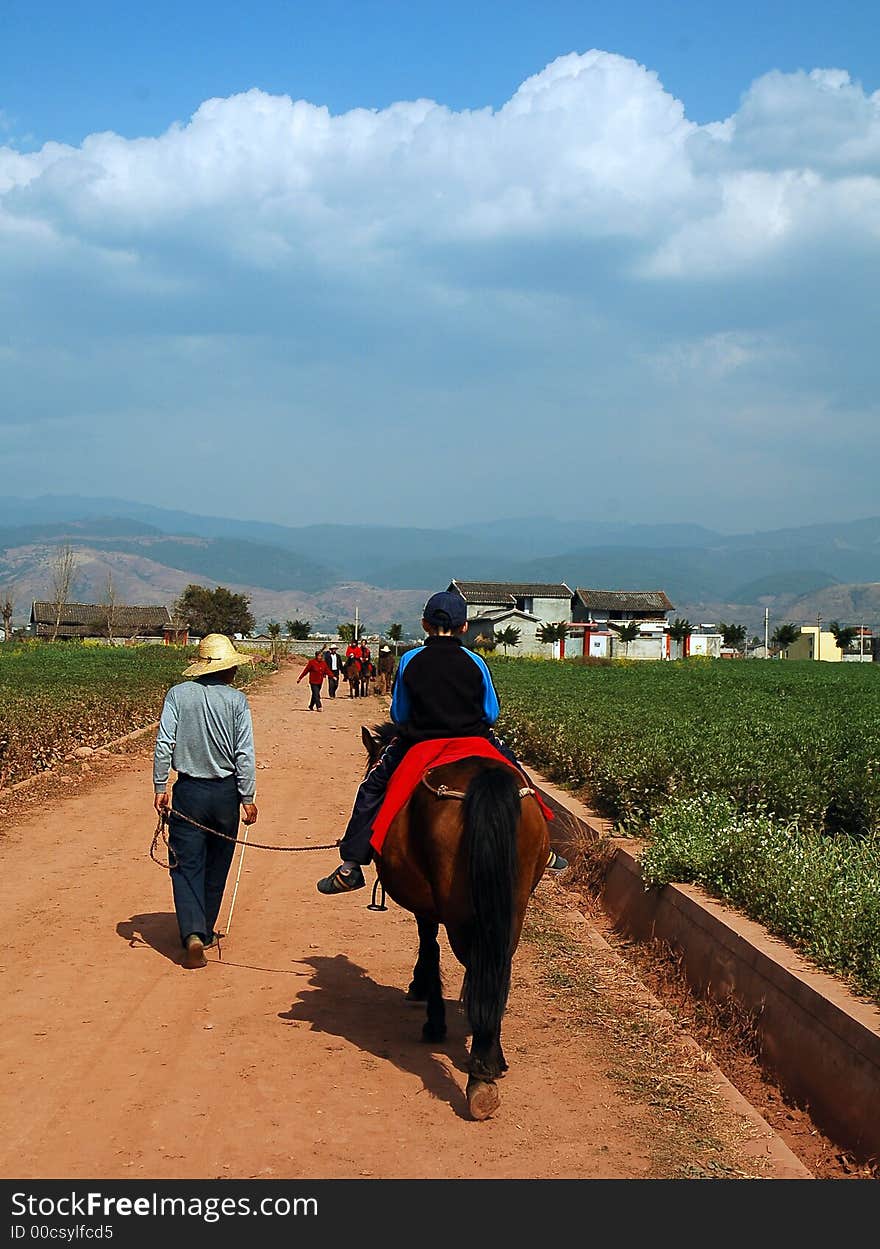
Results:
<point x="357" y="628"/>
<point x="818" y="636"/>
<point x="766" y="632"/>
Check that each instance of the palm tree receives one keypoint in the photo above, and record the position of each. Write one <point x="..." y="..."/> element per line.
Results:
<point x="551" y="634"/>
<point x="733" y="635"/>
<point x="843" y="637"/>
<point x="279" y="648"/>
<point x="680" y="630"/>
<point x="394" y="633"/>
<point x="509" y="637"/>
<point x="626" y="632"/>
<point x="298" y="629"/>
<point x="783" y="636"/>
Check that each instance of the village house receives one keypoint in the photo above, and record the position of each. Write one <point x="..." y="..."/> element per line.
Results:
<point x="703" y="640"/>
<point x="493" y="606"/>
<point x="595" y="612"/>
<point x="119" y="622"/>
<point x="814" y="642"/>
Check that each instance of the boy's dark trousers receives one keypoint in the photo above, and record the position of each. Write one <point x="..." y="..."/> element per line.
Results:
<point x="202" y="861"/>
<point x="355" y="845"/>
<point x="316" y="696"/>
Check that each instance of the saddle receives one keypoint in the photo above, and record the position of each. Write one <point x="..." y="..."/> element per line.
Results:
<point x="423" y="758"/>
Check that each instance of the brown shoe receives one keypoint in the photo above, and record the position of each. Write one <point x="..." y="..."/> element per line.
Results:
<point x="194" y="952"/>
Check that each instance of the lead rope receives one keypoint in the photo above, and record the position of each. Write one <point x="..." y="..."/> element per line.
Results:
<point x="162" y="833"/>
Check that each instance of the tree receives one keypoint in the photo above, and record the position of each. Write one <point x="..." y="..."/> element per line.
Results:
<point x="509" y="637"/>
<point x="63" y="569"/>
<point x="279" y="647"/>
<point x="783" y="636"/>
<point x="346" y="631"/>
<point x="626" y="632"/>
<point x="110" y="608"/>
<point x="7" y="607"/>
<point x="843" y="637"/>
<point x="552" y="633"/>
<point x="215" y="611"/>
<point x="680" y="630"/>
<point x="733" y="635"/>
<point x="299" y="629"/>
<point x="394" y="633"/>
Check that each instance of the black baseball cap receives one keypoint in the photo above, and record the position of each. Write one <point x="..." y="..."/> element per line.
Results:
<point x="446" y="610"/>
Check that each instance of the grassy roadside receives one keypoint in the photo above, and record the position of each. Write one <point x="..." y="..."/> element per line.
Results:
<point x="697" y="1136"/>
<point x="55" y="697"/>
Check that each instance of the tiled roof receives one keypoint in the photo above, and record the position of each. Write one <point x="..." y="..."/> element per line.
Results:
<point x="502" y="613"/>
<point x="499" y="592"/>
<point x="624" y="600"/>
<point x="90" y="619"/>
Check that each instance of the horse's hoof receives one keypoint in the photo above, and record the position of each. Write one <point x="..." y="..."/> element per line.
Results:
<point x="433" y="1032"/>
<point x="483" y="1098"/>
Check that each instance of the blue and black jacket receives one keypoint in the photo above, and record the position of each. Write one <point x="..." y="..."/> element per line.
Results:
<point x="443" y="690"/>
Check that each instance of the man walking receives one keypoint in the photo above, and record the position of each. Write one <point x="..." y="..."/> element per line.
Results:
<point x="334" y="668"/>
<point x="206" y="735"/>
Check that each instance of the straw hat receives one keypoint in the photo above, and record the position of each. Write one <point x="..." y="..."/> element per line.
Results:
<point x="216" y="654"/>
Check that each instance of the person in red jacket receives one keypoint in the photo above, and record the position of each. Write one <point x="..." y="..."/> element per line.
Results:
<point x="317" y="670"/>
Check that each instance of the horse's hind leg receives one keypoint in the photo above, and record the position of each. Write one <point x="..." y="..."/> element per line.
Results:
<point x="485" y="1066"/>
<point x="426" y="985"/>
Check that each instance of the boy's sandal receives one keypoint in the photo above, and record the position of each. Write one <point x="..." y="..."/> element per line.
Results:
<point x="341" y="882"/>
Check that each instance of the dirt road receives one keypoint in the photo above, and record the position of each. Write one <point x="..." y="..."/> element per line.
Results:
<point x="295" y="1055"/>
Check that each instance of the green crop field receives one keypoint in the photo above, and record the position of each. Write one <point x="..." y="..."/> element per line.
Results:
<point x="57" y="696"/>
<point x="758" y="780"/>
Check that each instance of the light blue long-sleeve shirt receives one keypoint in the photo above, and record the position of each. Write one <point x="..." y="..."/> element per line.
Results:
<point x="205" y="730"/>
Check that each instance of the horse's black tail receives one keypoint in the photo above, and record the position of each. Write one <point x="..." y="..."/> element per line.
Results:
<point x="491" y="817"/>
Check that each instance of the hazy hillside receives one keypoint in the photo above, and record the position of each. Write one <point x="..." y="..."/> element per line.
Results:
<point x="323" y="572"/>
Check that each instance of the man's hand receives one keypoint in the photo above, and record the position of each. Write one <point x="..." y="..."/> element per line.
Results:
<point x="162" y="802"/>
<point x="250" y="812"/>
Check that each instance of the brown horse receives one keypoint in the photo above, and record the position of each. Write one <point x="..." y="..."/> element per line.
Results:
<point x="466" y="851"/>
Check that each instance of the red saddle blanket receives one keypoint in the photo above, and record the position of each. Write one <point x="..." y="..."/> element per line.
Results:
<point x="423" y="756"/>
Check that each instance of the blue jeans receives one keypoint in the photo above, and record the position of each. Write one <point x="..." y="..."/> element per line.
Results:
<point x="355" y="845"/>
<point x="202" y="861"/>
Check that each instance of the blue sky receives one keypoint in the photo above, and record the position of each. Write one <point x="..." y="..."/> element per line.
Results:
<point x="418" y="263"/>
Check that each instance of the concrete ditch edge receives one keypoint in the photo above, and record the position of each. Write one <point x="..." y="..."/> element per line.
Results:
<point x="819" y="1041"/>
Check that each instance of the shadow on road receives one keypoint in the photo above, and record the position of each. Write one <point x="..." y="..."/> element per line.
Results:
<point x="344" y="1001"/>
<point x="157" y="929"/>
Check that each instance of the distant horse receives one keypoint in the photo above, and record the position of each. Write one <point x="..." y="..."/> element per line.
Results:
<point x="367" y="673"/>
<point x="466" y="851"/>
<point x="352" y="674"/>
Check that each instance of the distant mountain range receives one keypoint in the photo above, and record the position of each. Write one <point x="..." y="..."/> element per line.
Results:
<point x="323" y="572"/>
